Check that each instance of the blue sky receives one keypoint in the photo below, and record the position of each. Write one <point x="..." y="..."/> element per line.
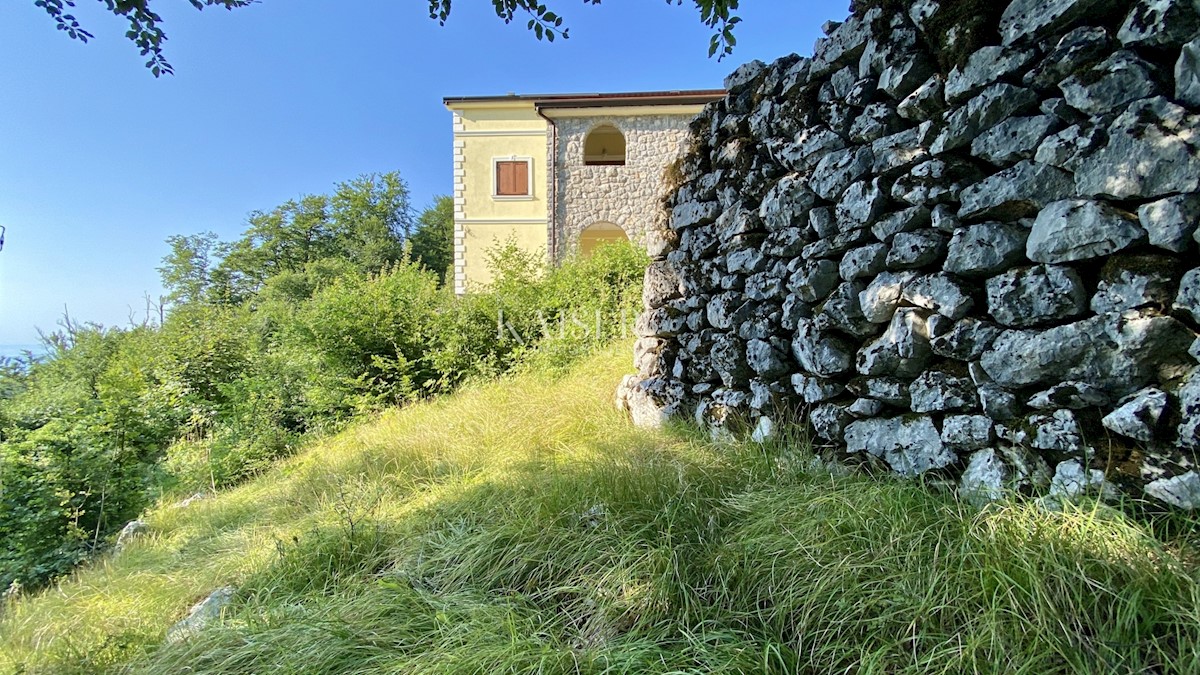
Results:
<point x="100" y="162"/>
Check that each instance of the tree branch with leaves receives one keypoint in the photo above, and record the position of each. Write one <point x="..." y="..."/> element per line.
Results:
<point x="145" y="26"/>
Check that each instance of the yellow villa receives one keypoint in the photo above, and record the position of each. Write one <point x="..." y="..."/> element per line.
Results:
<point x="560" y="173"/>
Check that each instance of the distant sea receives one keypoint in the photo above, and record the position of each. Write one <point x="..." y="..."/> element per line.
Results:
<point x="18" y="349"/>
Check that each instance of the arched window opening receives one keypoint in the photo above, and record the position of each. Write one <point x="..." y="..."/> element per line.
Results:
<point x="599" y="234"/>
<point x="604" y="146"/>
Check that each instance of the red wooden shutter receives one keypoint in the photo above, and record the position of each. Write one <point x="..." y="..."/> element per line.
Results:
<point x="512" y="178"/>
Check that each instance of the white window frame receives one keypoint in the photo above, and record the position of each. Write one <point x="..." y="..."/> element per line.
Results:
<point x="496" y="184"/>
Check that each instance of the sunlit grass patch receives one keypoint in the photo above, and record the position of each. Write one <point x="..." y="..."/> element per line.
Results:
<point x="525" y="526"/>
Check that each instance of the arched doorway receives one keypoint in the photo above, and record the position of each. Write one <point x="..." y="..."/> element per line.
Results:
<point x="598" y="234"/>
<point x="604" y="146"/>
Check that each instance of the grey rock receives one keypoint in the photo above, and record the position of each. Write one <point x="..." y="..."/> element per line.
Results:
<point x="875" y="121"/>
<point x="728" y="358"/>
<point x="879" y="300"/>
<point x="816" y="389"/>
<point x="738" y="221"/>
<point x="837" y="170"/>
<point x="698" y="242"/>
<point x="690" y="214"/>
<point x="745" y="75"/>
<point x="822" y="221"/>
<point x="787" y="203"/>
<point x="844" y="45"/>
<point x="1160" y="23"/>
<point x="812" y="144"/>
<point x="1071" y="480"/>
<point x="941" y="293"/>
<point x="1033" y="20"/>
<point x="786" y="242"/>
<point x="1187" y="74"/>
<point x="897" y="153"/>
<point x="888" y="390"/>
<point x="132" y="530"/>
<point x="919" y="12"/>
<point x="836" y="245"/>
<point x="990" y="107"/>
<point x="945" y="218"/>
<point x="660" y="284"/>
<point x="1014" y="139"/>
<point x="1182" y="491"/>
<point x="660" y="242"/>
<point x="1131" y="282"/>
<point x="966" y="341"/>
<point x="1058" y="431"/>
<point x="829" y="420"/>
<point x="864" y="262"/>
<point x="985" y="66"/>
<point x="939" y="391"/>
<point x="652" y="357"/>
<point x="964" y="433"/>
<point x="865" y="407"/>
<point x="1064" y="148"/>
<point x="1079" y="229"/>
<point x="925" y="102"/>
<point x="1030" y="296"/>
<point x="650" y="402"/>
<point x="794" y="309"/>
<point x="201" y="615"/>
<point x="1074" y="52"/>
<point x="814" y="280"/>
<point x="1016" y="192"/>
<point x="726" y="310"/>
<point x="907" y="220"/>
<point x="998" y="403"/>
<point x="1057" y="107"/>
<point x="936" y="181"/>
<point x="902" y="351"/>
<point x="1188" y="298"/>
<point x="766" y="360"/>
<point x="860" y="204"/>
<point x="1114" y="82"/>
<point x="765" y="431"/>
<point x="901" y="78"/>
<point x="660" y="322"/>
<point x="916" y="249"/>
<point x="841" y="311"/>
<point x="985" y="479"/>
<point x="745" y="261"/>
<point x="1073" y="394"/>
<point x="910" y="445"/>
<point x="1119" y="353"/>
<point x="1189" y="412"/>
<point x="1171" y="222"/>
<point x="986" y="248"/>
<point x="1150" y="152"/>
<point x="1138" y="415"/>
<point x="819" y="352"/>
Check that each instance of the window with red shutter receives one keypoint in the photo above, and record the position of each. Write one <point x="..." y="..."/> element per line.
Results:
<point x="512" y="178"/>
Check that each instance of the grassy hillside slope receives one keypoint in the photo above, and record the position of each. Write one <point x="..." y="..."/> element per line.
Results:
<point x="524" y="526"/>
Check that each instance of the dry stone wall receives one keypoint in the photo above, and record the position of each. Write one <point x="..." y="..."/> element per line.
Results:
<point x="986" y="273"/>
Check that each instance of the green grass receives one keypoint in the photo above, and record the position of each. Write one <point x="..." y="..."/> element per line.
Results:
<point x="524" y="526"/>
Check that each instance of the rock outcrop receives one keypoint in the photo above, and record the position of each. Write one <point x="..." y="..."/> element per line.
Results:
<point x="986" y="270"/>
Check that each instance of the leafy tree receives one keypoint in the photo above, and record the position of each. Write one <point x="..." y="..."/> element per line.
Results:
<point x="364" y="223"/>
<point x="433" y="241"/>
<point x="185" y="270"/>
<point x="146" y="32"/>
